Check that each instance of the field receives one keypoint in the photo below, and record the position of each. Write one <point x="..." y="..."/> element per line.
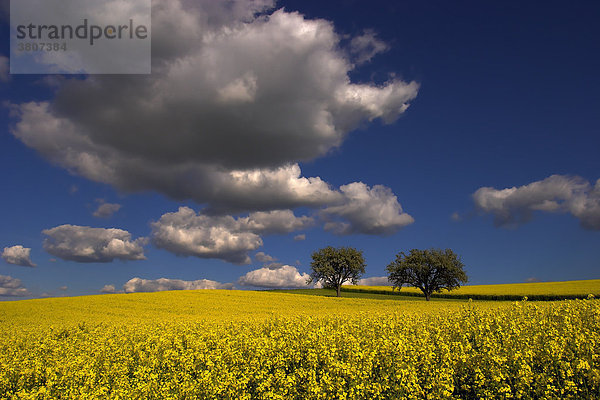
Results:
<point x="273" y="345"/>
<point x="511" y="292"/>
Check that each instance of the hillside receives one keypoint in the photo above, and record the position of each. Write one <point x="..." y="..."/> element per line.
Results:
<point x="514" y="291"/>
<point x="272" y="345"/>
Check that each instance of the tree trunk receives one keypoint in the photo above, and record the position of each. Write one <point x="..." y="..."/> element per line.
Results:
<point x="339" y="288"/>
<point x="427" y="296"/>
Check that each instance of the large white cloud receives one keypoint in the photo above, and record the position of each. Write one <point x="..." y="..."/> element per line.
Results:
<point x="158" y="285"/>
<point x="18" y="255"/>
<point x="284" y="276"/>
<point x="366" y="210"/>
<point x="557" y="193"/>
<point x="222" y="236"/>
<point x="235" y="100"/>
<point x="12" y="287"/>
<point x="85" y="244"/>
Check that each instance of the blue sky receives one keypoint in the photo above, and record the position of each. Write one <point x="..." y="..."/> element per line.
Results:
<point x="380" y="125"/>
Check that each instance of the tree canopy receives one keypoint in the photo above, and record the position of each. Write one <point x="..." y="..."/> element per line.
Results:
<point x="334" y="266"/>
<point x="431" y="270"/>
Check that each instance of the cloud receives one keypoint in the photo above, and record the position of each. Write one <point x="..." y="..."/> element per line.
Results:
<point x="263" y="258"/>
<point x="372" y="281"/>
<point x="375" y="281"/>
<point x="277" y="221"/>
<point x="64" y="288"/>
<point x="158" y="285"/>
<point x="366" y="46"/>
<point x="555" y="194"/>
<point x="267" y="260"/>
<point x="85" y="244"/>
<point x="273" y="265"/>
<point x="224" y="237"/>
<point x="456" y="217"/>
<point x="18" y="255"/>
<point x="300" y="237"/>
<point x="187" y="234"/>
<point x="108" y="289"/>
<point x="4" y="69"/>
<point x="374" y="211"/>
<point x="285" y="276"/>
<point x="106" y="210"/>
<point x="12" y="287"/>
<point x="236" y="99"/>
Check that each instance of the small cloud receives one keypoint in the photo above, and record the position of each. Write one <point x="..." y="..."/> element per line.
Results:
<point x="366" y="46"/>
<point x="264" y="258"/>
<point x="371" y="211"/>
<point x="456" y="217"/>
<point x="162" y="284"/>
<point x="12" y="287"/>
<point x="106" y="210"/>
<point x="555" y="194"/>
<point x="73" y="189"/>
<point x="285" y="276"/>
<point x="85" y="244"/>
<point x="300" y="237"/>
<point x="64" y="288"/>
<point x="18" y="255"/>
<point x="532" y="279"/>
<point x="268" y="261"/>
<point x="108" y="289"/>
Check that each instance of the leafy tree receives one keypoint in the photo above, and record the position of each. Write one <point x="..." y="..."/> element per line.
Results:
<point x="334" y="266"/>
<point x="429" y="270"/>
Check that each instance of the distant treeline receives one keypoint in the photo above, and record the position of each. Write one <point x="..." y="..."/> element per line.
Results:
<point x="504" y="297"/>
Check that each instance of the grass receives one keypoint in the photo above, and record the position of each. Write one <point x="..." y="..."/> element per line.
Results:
<point x="358" y="294"/>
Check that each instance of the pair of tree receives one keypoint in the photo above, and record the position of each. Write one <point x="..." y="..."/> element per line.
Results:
<point x="430" y="270"/>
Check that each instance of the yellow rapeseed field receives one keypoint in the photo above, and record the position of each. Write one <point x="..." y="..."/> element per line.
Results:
<point x="260" y="345"/>
<point x="518" y="290"/>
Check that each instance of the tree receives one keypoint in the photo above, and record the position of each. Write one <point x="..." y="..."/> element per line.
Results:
<point x="429" y="270"/>
<point x="334" y="266"/>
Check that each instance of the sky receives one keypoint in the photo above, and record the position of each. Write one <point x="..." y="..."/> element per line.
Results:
<point x="268" y="130"/>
